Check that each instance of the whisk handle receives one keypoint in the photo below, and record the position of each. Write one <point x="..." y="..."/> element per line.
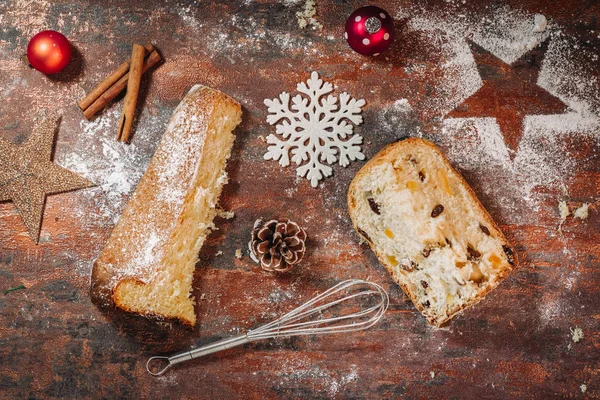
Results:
<point x="167" y="362"/>
<point x="214" y="347"/>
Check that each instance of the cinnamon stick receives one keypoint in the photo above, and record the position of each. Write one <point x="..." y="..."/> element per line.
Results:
<point x="109" y="81"/>
<point x="112" y="92"/>
<point x="133" y="89"/>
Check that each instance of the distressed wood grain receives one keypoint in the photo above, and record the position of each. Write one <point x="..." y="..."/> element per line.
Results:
<point x="54" y="343"/>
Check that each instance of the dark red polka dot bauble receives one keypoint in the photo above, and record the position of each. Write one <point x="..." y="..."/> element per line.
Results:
<point x="369" y="30"/>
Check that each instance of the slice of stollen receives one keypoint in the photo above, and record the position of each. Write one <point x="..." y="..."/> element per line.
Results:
<point x="428" y="229"/>
<point x="148" y="263"/>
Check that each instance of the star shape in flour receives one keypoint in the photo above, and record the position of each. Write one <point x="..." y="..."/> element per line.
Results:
<point x="28" y="175"/>
<point x="509" y="93"/>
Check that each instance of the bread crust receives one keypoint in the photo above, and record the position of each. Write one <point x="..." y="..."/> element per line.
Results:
<point x="387" y="154"/>
<point x="151" y="209"/>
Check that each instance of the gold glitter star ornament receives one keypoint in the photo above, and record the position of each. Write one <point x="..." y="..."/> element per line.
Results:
<point x="28" y="175"/>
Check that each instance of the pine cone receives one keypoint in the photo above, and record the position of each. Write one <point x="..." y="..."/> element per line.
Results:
<point x="277" y="244"/>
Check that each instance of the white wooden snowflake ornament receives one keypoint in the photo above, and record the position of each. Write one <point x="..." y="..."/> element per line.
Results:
<point x="312" y="129"/>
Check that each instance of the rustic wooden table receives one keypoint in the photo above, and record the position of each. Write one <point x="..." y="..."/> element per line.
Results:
<point x="523" y="341"/>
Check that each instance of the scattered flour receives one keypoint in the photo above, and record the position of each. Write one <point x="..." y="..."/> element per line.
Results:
<point x="550" y="309"/>
<point x="582" y="212"/>
<point x="330" y="382"/>
<point x="477" y="144"/>
<point x="189" y="18"/>
<point x="115" y="167"/>
<point x="396" y="118"/>
<point x="279" y="296"/>
<point x="576" y="334"/>
<point x="256" y="40"/>
<point x="402" y="105"/>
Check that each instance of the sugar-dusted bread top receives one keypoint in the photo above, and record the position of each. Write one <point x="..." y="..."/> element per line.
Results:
<point x="428" y="228"/>
<point x="149" y="260"/>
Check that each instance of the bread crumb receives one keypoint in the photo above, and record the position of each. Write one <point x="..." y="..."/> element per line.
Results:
<point x="583" y="387"/>
<point x="219" y="253"/>
<point x="307" y="16"/>
<point x="432" y="374"/>
<point x="226" y="214"/>
<point x="539" y="23"/>
<point x="576" y="334"/>
<point x="262" y="138"/>
<point x="582" y="212"/>
<point x="563" y="208"/>
<point x="564" y="212"/>
<point x="238" y="254"/>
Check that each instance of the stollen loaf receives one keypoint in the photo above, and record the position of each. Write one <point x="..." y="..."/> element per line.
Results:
<point x="148" y="263"/>
<point x="428" y="229"/>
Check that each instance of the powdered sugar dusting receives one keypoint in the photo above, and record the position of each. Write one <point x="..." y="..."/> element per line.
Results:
<point x="326" y="381"/>
<point x="115" y="167"/>
<point x="174" y="169"/>
<point x="174" y="164"/>
<point x="138" y="265"/>
<point x="477" y="144"/>
<point x="506" y="33"/>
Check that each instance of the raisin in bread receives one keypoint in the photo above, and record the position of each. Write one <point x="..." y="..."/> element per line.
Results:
<point x="148" y="263"/>
<point x="428" y="228"/>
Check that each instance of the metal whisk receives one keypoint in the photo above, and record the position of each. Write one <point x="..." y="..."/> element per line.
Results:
<point x="313" y="317"/>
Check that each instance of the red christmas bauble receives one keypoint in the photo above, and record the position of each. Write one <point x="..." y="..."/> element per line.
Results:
<point x="49" y="52"/>
<point x="369" y="30"/>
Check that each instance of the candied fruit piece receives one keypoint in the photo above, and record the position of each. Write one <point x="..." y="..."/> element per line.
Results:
<point x="412" y="185"/>
<point x="495" y="260"/>
<point x="389" y="233"/>
<point x="444" y="182"/>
